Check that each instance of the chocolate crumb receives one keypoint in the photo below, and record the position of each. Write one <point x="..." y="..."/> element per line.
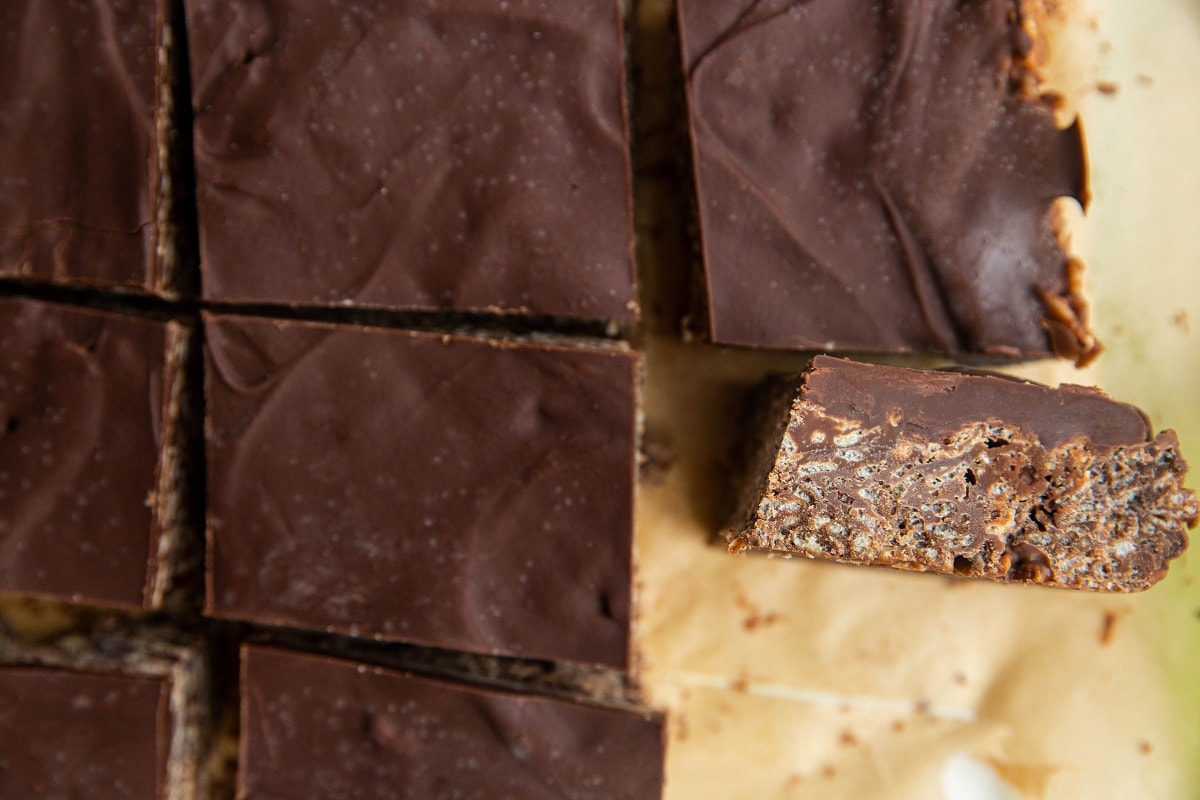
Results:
<point x="1108" y="628"/>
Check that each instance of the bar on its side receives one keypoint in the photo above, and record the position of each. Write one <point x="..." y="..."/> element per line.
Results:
<point x="965" y="473"/>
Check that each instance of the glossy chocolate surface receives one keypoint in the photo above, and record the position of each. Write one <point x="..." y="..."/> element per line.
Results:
<point x="468" y="155"/>
<point x="316" y="726"/>
<point x="79" y="180"/>
<point x="449" y="492"/>
<point x="82" y="736"/>
<point x="934" y="404"/>
<point x="81" y="405"/>
<point x="869" y="180"/>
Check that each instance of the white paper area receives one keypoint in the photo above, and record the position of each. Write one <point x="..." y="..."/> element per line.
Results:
<point x="795" y="679"/>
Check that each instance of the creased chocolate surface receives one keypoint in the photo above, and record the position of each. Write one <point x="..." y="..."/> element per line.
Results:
<point x="463" y="156"/>
<point x="880" y="177"/>
<point x="78" y="145"/>
<point x="414" y="487"/>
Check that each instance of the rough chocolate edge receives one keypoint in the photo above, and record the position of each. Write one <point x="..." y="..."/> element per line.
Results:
<point x="178" y="556"/>
<point x="766" y="415"/>
<point x="165" y="261"/>
<point x="1109" y="519"/>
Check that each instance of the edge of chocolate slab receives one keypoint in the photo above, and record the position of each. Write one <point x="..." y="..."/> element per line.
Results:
<point x="589" y="684"/>
<point x="834" y="215"/>
<point x="963" y="473"/>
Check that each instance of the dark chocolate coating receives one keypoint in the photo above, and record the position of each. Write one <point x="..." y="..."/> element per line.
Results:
<point x="79" y="180"/>
<point x="868" y="180"/>
<point x="318" y="727"/>
<point x="449" y="492"/>
<point x="937" y="404"/>
<point x="81" y="409"/>
<point x="469" y="155"/>
<point x="81" y="736"/>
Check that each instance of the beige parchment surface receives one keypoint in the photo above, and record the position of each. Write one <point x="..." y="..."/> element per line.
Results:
<point x="796" y="679"/>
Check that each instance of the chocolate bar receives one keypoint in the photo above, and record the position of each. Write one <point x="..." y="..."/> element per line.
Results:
<point x="85" y="197"/>
<point x="881" y="177"/>
<point x="89" y="453"/>
<point x="83" y="735"/>
<point x="445" y="491"/>
<point x="965" y="474"/>
<point x="467" y="156"/>
<point x="319" y="725"/>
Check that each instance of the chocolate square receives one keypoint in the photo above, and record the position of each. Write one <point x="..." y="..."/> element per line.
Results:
<point x="81" y="150"/>
<point x="83" y="735"/>
<point x="460" y="156"/>
<point x="314" y="725"/>
<point x="88" y="402"/>
<point x="451" y="492"/>
<point x="881" y="177"/>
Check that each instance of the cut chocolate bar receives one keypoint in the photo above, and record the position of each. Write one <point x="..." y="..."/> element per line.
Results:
<point x="89" y="458"/>
<point x="881" y="177"/>
<point x="316" y="725"/>
<point x="83" y="735"/>
<point x="446" y="491"/>
<point x="967" y="474"/>
<point x="462" y="156"/>
<point x="84" y="195"/>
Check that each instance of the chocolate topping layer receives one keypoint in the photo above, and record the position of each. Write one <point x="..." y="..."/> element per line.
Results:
<point x="460" y="156"/>
<point x="318" y="726"/>
<point x="79" y="148"/>
<point x="970" y="474"/>
<point x="450" y="492"/>
<point x="82" y="736"/>
<point x="880" y="177"/>
<point x="83" y="396"/>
